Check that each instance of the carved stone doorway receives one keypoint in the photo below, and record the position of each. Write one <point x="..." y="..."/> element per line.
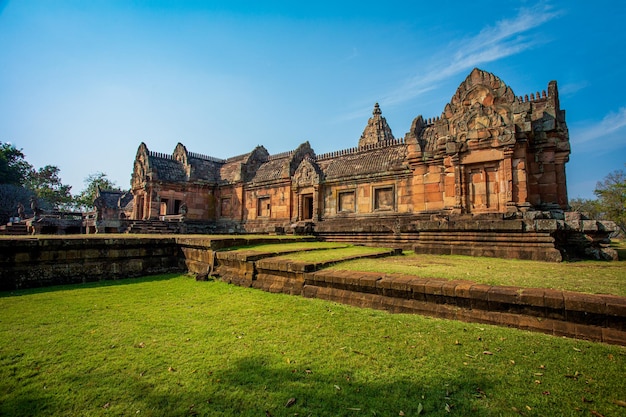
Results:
<point x="307" y="206"/>
<point x="139" y="202"/>
<point x="483" y="188"/>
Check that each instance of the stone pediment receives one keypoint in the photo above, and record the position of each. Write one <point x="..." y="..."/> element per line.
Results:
<point x="479" y="114"/>
<point x="307" y="174"/>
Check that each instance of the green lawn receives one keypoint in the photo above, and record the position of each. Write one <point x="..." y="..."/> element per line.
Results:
<point x="295" y="246"/>
<point x="597" y="277"/>
<point x="319" y="256"/>
<point x="171" y="346"/>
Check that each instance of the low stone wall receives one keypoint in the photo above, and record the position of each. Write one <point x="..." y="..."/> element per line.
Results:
<point x="42" y="262"/>
<point x="30" y="263"/>
<point x="200" y="254"/>
<point x="561" y="313"/>
<point x="536" y="235"/>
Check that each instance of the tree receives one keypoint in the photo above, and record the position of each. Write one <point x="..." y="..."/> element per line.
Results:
<point x="92" y="183"/>
<point x="611" y="193"/>
<point x="588" y="206"/>
<point x="13" y="167"/>
<point x="47" y="186"/>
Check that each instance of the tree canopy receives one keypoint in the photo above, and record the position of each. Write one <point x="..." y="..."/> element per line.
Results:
<point x="611" y="193"/>
<point x="13" y="166"/>
<point x="92" y="183"/>
<point x="47" y="186"/>
<point x="610" y="203"/>
<point x="19" y="181"/>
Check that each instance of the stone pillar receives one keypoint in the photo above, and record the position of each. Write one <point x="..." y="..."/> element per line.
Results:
<point x="507" y="167"/>
<point x="463" y="189"/>
<point x="561" y="185"/>
<point x="148" y="213"/>
<point x="316" y="205"/>
<point x="458" y="184"/>
<point x="299" y="216"/>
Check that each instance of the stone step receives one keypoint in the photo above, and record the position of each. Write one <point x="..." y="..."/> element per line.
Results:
<point x="14" y="229"/>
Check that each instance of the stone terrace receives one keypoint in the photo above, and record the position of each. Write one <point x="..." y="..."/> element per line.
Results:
<point x="27" y="263"/>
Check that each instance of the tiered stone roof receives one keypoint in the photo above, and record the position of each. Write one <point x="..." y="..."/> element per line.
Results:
<point x="166" y="168"/>
<point x="272" y="170"/>
<point x="378" y="152"/>
<point x="365" y="161"/>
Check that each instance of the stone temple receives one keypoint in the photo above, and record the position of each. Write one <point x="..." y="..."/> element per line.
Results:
<point x="486" y="177"/>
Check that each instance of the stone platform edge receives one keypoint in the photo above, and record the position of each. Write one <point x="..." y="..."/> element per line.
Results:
<point x="596" y="317"/>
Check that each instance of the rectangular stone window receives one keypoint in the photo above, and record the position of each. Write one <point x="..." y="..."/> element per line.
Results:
<point x="225" y="207"/>
<point x="263" y="207"/>
<point x="346" y="202"/>
<point x="384" y="198"/>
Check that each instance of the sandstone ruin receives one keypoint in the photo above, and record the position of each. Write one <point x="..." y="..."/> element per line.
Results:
<point x="486" y="177"/>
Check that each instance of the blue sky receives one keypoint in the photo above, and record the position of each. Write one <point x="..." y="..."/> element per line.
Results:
<point x="83" y="83"/>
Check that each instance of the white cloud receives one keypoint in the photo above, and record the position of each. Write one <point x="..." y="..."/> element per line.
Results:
<point x="572" y="88"/>
<point x="507" y="37"/>
<point x="609" y="132"/>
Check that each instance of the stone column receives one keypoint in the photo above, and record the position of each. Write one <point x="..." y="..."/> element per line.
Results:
<point x="463" y="189"/>
<point x="148" y="213"/>
<point x="561" y="185"/>
<point x="458" y="184"/>
<point x="507" y="167"/>
<point x="316" y="206"/>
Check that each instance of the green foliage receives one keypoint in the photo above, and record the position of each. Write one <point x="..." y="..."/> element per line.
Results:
<point x="587" y="206"/>
<point x="165" y="346"/>
<point x="44" y="183"/>
<point x="94" y="181"/>
<point x="611" y="193"/>
<point x="13" y="167"/>
<point x="47" y="186"/>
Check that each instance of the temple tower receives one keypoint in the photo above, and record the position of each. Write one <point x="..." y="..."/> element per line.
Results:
<point x="377" y="129"/>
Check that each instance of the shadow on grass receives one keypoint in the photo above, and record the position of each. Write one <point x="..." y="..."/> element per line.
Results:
<point x="256" y="386"/>
<point x="91" y="284"/>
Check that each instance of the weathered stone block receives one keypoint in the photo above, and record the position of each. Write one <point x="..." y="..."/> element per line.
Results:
<point x="589" y="225"/>
<point x="479" y="295"/>
<point x="614" y="336"/>
<point x="546" y="225"/>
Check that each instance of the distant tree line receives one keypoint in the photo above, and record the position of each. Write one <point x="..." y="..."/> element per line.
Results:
<point x="20" y="182"/>
<point x="610" y="202"/>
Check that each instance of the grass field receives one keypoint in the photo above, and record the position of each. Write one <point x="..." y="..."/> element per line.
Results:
<point x="596" y="277"/>
<point x="171" y="346"/>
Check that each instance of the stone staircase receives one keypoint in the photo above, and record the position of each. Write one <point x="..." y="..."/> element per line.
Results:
<point x="14" y="229"/>
<point x="152" y="227"/>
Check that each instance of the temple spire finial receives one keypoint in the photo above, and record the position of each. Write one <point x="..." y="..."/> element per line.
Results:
<point x="377" y="129"/>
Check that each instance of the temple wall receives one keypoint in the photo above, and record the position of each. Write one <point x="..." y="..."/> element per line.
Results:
<point x="272" y="202"/>
<point x="428" y="188"/>
<point x="353" y="198"/>
<point x="229" y="202"/>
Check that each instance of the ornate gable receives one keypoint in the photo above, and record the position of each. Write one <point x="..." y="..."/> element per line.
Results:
<point x="141" y="165"/>
<point x="479" y="115"/>
<point x="254" y="160"/>
<point x="180" y="154"/>
<point x="302" y="152"/>
<point x="307" y="174"/>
